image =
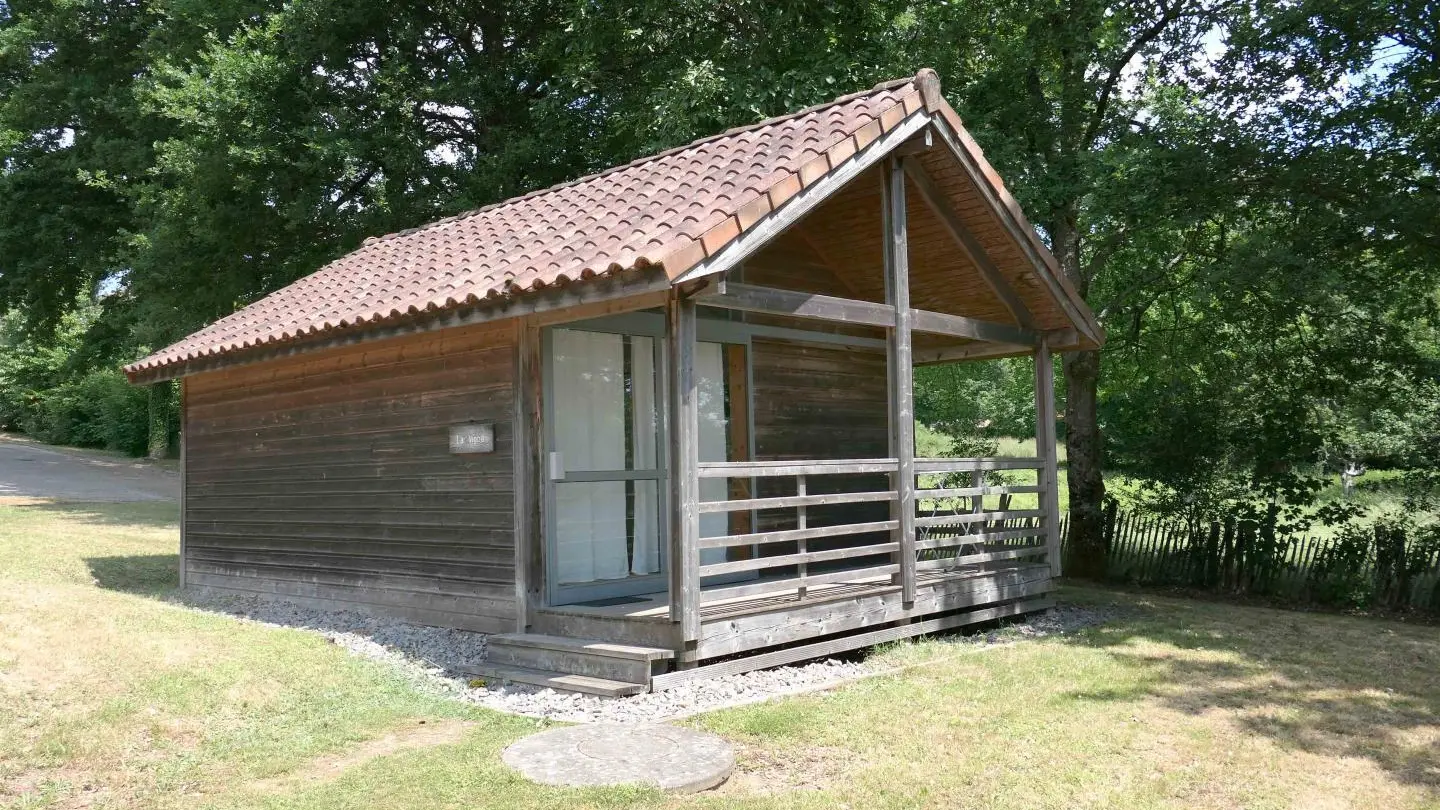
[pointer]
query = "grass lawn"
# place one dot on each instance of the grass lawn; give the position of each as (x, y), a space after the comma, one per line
(111, 696)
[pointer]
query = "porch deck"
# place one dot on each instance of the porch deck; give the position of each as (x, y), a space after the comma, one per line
(656, 606)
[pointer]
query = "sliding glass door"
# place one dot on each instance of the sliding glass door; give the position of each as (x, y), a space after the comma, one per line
(606, 488)
(605, 477)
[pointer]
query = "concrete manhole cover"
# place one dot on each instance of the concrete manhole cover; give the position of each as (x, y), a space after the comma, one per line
(675, 759)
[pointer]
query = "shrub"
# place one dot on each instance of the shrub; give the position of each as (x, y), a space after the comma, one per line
(99, 409)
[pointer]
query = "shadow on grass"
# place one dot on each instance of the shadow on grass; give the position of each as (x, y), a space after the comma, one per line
(137, 514)
(146, 574)
(1325, 685)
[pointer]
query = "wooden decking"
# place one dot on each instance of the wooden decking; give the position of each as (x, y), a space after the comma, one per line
(784, 615)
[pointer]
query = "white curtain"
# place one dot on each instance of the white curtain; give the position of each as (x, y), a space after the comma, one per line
(589, 424)
(644, 433)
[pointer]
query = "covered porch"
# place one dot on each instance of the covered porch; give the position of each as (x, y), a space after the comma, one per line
(791, 545)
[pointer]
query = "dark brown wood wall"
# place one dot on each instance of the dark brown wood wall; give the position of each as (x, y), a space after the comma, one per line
(327, 479)
(819, 402)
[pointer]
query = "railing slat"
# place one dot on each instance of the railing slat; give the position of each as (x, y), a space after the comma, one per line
(796, 500)
(757, 563)
(969, 492)
(727, 541)
(983, 537)
(966, 518)
(988, 556)
(767, 469)
(933, 465)
(771, 586)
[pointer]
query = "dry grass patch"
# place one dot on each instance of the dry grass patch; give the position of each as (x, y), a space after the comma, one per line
(112, 696)
(759, 771)
(328, 768)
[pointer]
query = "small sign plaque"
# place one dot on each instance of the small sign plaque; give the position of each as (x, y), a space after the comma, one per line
(472, 438)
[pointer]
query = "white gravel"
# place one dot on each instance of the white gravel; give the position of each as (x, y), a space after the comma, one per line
(429, 656)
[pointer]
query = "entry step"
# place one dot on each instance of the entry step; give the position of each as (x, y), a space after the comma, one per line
(594, 658)
(584, 646)
(561, 681)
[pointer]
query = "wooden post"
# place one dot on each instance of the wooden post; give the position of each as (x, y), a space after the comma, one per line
(524, 466)
(684, 470)
(1045, 441)
(183, 413)
(902, 384)
(802, 521)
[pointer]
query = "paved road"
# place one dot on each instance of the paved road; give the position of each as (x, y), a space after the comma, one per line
(34, 470)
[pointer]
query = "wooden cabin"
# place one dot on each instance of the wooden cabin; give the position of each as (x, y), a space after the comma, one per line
(653, 424)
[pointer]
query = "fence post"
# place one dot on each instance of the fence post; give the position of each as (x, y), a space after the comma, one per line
(1107, 533)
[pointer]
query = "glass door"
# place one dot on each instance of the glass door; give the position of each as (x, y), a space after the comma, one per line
(606, 488)
(605, 480)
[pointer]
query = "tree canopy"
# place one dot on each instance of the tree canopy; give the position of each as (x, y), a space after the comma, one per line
(1244, 191)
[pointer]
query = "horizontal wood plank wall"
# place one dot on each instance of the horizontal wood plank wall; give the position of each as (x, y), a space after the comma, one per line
(813, 403)
(327, 479)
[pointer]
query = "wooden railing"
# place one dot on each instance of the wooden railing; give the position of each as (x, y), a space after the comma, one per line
(958, 529)
(802, 557)
(953, 526)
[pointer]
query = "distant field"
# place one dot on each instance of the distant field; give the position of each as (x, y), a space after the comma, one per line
(1376, 491)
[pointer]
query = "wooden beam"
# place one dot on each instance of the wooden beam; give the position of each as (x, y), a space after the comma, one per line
(1055, 339)
(1049, 477)
(791, 535)
(792, 501)
(929, 465)
(971, 351)
(800, 558)
(184, 411)
(810, 197)
(771, 469)
(524, 485)
(772, 301)
(902, 381)
(769, 586)
(809, 336)
(684, 466)
(974, 251)
(939, 323)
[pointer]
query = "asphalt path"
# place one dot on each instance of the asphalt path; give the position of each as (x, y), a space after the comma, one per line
(29, 469)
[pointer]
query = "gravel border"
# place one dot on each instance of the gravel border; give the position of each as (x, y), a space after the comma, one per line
(428, 657)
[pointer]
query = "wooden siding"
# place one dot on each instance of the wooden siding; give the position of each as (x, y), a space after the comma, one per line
(816, 402)
(327, 479)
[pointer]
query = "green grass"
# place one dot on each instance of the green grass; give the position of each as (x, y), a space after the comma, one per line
(112, 696)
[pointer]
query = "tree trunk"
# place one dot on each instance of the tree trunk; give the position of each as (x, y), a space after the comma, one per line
(1086, 557)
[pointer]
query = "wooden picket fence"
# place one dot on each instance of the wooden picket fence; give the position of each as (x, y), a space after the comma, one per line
(1239, 556)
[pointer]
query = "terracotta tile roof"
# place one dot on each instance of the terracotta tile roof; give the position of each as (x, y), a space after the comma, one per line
(669, 210)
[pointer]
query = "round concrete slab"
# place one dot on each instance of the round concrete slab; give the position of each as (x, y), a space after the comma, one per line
(675, 759)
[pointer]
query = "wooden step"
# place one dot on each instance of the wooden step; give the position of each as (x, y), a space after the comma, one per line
(588, 646)
(566, 623)
(578, 656)
(560, 681)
